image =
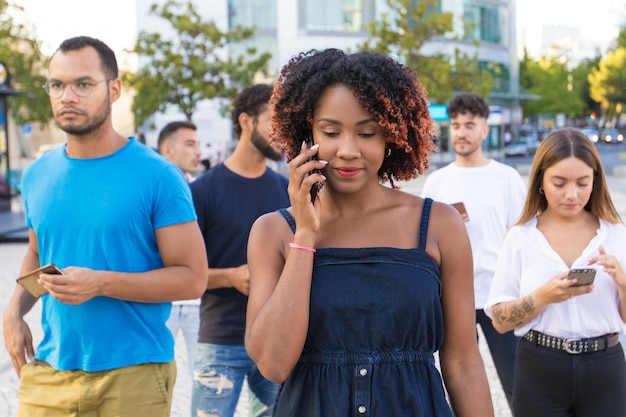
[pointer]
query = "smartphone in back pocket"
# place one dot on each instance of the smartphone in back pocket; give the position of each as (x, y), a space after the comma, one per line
(30, 280)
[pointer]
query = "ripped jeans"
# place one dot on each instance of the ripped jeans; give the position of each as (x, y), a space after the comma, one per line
(218, 377)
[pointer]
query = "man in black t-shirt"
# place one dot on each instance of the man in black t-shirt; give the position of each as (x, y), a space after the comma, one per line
(229, 198)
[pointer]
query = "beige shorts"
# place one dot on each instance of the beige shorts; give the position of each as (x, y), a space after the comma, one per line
(133, 391)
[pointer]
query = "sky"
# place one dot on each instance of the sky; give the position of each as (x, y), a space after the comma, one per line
(598, 20)
(114, 21)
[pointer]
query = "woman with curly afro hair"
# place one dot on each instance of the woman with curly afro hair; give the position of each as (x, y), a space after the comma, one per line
(356, 285)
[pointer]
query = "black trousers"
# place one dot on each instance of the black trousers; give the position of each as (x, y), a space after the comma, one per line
(551, 383)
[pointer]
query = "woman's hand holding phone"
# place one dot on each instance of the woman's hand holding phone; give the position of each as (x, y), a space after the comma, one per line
(304, 183)
(558, 289)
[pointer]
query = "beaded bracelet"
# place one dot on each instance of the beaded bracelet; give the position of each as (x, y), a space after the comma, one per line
(296, 246)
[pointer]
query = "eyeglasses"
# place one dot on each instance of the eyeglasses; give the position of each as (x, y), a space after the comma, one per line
(55, 89)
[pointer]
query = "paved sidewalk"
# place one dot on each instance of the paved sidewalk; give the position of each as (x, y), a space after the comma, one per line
(10, 259)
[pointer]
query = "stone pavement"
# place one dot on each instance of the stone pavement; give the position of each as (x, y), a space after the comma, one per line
(10, 259)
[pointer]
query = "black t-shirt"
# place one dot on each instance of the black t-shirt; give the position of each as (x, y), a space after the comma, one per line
(227, 205)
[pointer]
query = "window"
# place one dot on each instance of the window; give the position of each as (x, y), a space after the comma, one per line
(338, 15)
(501, 76)
(258, 13)
(488, 20)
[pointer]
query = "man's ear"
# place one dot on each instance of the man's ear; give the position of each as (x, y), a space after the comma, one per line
(166, 149)
(115, 88)
(245, 121)
(486, 131)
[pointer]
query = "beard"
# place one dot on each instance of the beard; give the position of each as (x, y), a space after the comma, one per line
(93, 122)
(466, 150)
(264, 146)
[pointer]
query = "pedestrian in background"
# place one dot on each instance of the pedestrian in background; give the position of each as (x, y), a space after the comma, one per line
(127, 245)
(490, 196)
(569, 361)
(178, 142)
(353, 291)
(229, 198)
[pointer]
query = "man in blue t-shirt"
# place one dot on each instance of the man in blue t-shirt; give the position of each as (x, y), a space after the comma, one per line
(119, 222)
(228, 199)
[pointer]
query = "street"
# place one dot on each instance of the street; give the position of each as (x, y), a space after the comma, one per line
(609, 153)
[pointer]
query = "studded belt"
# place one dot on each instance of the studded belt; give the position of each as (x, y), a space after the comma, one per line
(573, 346)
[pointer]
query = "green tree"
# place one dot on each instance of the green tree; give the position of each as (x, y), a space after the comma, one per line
(608, 83)
(555, 83)
(621, 39)
(21, 54)
(190, 67)
(403, 33)
(581, 79)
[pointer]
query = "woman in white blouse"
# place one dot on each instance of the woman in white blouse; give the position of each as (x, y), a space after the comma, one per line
(569, 361)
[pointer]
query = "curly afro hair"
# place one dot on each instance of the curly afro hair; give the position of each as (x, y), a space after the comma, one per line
(385, 88)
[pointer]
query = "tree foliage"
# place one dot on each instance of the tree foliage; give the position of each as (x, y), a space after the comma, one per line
(191, 66)
(559, 87)
(608, 83)
(21, 54)
(403, 34)
(621, 39)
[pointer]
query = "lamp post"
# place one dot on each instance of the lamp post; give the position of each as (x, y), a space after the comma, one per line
(5, 164)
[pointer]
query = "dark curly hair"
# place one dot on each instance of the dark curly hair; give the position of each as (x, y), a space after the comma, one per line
(252, 100)
(385, 88)
(468, 102)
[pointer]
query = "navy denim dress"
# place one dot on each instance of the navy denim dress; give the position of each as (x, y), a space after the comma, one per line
(375, 321)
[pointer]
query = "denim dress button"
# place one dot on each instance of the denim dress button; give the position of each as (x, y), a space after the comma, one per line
(362, 371)
(362, 409)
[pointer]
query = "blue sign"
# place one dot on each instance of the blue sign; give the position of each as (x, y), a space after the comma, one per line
(438, 112)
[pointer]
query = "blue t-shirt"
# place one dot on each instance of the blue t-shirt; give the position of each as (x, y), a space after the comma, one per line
(227, 205)
(102, 213)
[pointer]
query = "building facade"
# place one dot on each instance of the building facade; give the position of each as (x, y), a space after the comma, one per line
(285, 28)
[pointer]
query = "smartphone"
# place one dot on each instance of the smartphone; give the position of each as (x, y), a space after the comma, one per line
(460, 207)
(30, 280)
(585, 276)
(316, 187)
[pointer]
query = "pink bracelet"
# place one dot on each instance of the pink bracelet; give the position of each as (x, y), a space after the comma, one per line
(296, 246)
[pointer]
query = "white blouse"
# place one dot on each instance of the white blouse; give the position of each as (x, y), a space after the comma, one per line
(527, 261)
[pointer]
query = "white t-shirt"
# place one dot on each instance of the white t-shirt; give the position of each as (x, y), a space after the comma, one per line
(493, 195)
(527, 261)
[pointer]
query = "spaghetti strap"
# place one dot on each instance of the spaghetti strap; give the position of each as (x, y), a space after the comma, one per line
(288, 218)
(424, 223)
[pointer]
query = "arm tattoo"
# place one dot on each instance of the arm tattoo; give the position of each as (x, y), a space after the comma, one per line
(515, 312)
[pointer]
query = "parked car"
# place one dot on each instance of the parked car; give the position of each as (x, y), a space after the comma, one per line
(591, 132)
(522, 146)
(611, 136)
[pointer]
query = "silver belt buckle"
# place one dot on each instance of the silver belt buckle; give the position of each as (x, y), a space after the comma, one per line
(574, 347)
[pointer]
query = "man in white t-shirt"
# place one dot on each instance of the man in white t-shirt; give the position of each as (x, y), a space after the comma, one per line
(179, 143)
(492, 194)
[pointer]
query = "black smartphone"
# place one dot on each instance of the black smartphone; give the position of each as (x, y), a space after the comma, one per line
(316, 187)
(30, 280)
(585, 276)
